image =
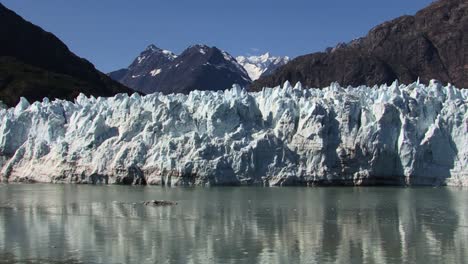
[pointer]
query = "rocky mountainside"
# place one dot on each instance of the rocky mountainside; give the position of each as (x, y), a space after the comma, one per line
(199, 67)
(399, 135)
(261, 66)
(431, 44)
(145, 64)
(36, 64)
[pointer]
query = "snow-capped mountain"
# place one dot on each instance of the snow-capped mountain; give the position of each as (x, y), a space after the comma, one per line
(152, 57)
(199, 67)
(408, 135)
(263, 65)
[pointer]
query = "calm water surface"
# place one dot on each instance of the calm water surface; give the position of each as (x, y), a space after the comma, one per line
(101, 224)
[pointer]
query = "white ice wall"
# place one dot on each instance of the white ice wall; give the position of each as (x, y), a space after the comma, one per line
(399, 134)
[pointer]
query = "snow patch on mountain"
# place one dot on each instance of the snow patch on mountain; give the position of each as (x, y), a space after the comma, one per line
(141, 59)
(155, 72)
(257, 66)
(398, 134)
(170, 54)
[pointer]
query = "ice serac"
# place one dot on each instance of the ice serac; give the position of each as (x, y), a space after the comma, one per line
(404, 135)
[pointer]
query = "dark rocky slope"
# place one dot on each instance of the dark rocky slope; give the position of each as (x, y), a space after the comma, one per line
(433, 44)
(36, 64)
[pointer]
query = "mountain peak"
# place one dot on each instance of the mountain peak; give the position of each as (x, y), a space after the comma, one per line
(265, 56)
(152, 47)
(199, 67)
(262, 65)
(153, 53)
(199, 48)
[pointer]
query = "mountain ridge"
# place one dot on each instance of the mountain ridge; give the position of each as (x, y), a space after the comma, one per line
(432, 44)
(35, 64)
(198, 67)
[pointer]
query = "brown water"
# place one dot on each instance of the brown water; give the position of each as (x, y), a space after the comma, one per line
(101, 224)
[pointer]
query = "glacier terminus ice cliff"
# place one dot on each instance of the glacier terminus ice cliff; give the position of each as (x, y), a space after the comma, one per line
(389, 135)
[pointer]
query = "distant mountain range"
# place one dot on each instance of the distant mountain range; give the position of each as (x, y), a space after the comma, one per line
(36, 64)
(433, 44)
(261, 66)
(199, 67)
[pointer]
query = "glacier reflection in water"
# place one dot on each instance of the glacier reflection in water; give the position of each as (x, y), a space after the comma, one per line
(107, 224)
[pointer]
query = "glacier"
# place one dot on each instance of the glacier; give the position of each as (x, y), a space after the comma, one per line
(263, 65)
(388, 135)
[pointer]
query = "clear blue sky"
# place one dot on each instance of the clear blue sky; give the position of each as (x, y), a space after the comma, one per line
(111, 33)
